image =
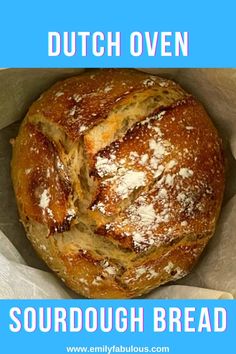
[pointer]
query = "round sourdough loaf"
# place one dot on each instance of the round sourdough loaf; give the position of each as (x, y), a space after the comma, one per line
(119, 178)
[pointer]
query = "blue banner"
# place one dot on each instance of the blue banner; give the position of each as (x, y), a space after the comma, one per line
(117, 34)
(112, 326)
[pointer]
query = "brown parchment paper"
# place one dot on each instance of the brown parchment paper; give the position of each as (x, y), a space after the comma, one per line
(24, 275)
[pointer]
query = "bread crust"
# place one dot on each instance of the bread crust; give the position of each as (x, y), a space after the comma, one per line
(119, 179)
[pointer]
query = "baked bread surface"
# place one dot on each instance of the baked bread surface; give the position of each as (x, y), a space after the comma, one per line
(119, 179)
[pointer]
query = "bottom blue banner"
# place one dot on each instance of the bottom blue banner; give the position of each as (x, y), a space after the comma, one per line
(117, 326)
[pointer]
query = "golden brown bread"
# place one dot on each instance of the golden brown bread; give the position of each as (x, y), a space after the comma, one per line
(119, 179)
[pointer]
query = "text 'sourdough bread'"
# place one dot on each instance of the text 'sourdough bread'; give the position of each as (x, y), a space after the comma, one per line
(119, 178)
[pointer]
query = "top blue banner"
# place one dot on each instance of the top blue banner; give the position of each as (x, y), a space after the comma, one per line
(118, 34)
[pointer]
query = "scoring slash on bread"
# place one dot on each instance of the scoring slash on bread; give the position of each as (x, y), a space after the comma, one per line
(119, 179)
